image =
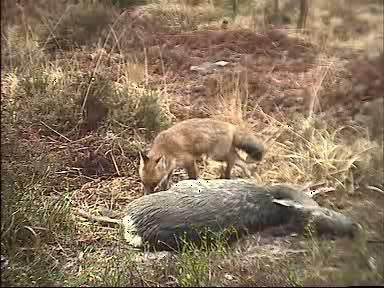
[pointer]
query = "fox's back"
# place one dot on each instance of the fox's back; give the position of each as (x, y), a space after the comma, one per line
(194, 136)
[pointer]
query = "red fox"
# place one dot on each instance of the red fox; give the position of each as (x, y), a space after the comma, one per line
(187, 141)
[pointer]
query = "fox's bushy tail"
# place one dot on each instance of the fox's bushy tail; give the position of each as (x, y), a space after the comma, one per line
(247, 142)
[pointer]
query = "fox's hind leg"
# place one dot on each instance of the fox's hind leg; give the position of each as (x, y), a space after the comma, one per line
(233, 158)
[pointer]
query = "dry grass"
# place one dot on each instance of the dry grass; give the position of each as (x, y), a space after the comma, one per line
(79, 100)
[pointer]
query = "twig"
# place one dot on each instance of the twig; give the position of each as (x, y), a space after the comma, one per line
(375, 241)
(81, 139)
(54, 141)
(61, 135)
(121, 150)
(100, 219)
(10, 225)
(163, 70)
(121, 124)
(96, 67)
(114, 162)
(88, 88)
(375, 189)
(37, 239)
(145, 63)
(51, 31)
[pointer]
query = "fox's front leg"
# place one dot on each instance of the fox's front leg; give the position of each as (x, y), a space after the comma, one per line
(192, 170)
(165, 183)
(230, 161)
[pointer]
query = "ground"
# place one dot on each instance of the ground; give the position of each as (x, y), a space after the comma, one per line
(82, 96)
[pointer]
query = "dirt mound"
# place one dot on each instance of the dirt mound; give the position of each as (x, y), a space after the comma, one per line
(277, 73)
(239, 41)
(262, 67)
(181, 50)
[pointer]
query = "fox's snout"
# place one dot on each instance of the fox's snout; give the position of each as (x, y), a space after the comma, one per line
(147, 190)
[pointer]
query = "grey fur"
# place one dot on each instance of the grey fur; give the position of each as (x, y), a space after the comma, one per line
(194, 205)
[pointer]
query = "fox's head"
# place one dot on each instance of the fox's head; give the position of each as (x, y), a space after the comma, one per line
(152, 171)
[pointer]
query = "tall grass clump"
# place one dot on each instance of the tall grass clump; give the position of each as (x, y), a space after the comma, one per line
(312, 150)
(85, 23)
(32, 217)
(20, 49)
(180, 16)
(65, 100)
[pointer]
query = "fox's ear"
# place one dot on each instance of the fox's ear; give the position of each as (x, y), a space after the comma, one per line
(162, 163)
(143, 157)
(143, 160)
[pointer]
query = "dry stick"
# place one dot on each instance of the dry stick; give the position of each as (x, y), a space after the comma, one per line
(163, 68)
(288, 128)
(58, 133)
(114, 162)
(145, 59)
(145, 64)
(100, 219)
(113, 31)
(373, 188)
(121, 150)
(117, 39)
(301, 24)
(81, 139)
(314, 91)
(89, 87)
(164, 83)
(118, 46)
(24, 24)
(10, 225)
(51, 31)
(312, 99)
(37, 238)
(245, 105)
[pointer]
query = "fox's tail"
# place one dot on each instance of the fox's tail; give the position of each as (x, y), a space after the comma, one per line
(248, 143)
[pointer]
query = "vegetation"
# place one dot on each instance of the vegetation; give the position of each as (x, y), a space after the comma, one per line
(88, 84)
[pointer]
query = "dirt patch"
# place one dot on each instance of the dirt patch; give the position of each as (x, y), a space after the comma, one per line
(275, 73)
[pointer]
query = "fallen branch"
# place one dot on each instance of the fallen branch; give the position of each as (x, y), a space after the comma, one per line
(373, 188)
(100, 219)
(58, 133)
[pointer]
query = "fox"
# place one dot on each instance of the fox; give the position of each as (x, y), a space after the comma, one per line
(188, 141)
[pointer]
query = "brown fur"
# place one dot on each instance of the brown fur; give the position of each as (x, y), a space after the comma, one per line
(187, 141)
